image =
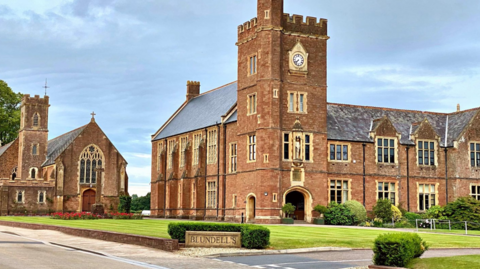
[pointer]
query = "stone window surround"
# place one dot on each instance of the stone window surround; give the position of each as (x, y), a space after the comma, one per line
(23, 196)
(197, 142)
(397, 198)
(252, 108)
(159, 155)
(395, 138)
(435, 152)
(39, 120)
(194, 192)
(275, 197)
(296, 102)
(180, 193)
(212, 146)
(171, 148)
(476, 195)
(234, 201)
(252, 62)
(183, 149)
(35, 149)
(44, 197)
(291, 148)
(30, 173)
(101, 158)
(418, 194)
(211, 194)
(233, 164)
(470, 152)
(342, 144)
(252, 148)
(349, 180)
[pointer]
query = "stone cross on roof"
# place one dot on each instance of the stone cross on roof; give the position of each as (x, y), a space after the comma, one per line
(93, 116)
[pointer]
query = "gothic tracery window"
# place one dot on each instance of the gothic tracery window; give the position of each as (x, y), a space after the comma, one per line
(90, 159)
(35, 120)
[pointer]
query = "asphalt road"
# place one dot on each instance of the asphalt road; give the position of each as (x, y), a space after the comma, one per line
(20, 253)
(328, 260)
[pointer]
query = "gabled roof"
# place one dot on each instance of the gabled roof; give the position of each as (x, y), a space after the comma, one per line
(202, 111)
(5, 147)
(57, 145)
(354, 123)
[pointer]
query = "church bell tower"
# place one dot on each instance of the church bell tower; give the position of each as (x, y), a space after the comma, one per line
(33, 136)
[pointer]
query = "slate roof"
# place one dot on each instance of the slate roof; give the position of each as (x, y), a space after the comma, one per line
(57, 145)
(353, 123)
(345, 122)
(203, 111)
(5, 147)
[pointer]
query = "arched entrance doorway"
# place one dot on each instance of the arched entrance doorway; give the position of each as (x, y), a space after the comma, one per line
(88, 199)
(250, 208)
(298, 200)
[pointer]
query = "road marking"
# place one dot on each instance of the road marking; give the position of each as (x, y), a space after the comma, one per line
(106, 256)
(258, 266)
(287, 263)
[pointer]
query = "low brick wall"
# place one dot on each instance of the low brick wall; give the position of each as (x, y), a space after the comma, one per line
(146, 241)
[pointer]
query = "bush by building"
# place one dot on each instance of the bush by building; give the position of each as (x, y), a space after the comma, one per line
(396, 214)
(383, 210)
(398, 249)
(358, 210)
(339, 214)
(253, 237)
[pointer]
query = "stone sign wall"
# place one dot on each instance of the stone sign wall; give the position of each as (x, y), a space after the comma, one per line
(213, 239)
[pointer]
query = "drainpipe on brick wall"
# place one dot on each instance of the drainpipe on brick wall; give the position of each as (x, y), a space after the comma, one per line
(446, 175)
(408, 180)
(364, 145)
(165, 182)
(218, 166)
(205, 163)
(224, 171)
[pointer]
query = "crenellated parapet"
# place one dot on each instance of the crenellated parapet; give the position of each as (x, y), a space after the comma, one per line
(310, 26)
(247, 29)
(36, 100)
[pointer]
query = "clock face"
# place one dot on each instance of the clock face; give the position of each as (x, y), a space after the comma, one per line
(298, 60)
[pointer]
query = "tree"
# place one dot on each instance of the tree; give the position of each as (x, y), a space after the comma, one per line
(140, 203)
(288, 209)
(9, 113)
(383, 210)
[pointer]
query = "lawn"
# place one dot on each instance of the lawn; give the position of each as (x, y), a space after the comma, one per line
(282, 237)
(458, 262)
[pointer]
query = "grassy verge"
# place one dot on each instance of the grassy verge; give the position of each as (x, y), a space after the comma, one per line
(282, 237)
(458, 262)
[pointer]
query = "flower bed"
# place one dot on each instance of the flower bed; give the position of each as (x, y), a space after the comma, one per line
(124, 216)
(74, 216)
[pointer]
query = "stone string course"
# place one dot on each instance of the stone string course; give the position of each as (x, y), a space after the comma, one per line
(146, 241)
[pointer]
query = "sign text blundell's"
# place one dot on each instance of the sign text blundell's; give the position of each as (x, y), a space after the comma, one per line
(213, 239)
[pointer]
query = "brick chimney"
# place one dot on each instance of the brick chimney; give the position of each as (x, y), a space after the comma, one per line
(193, 89)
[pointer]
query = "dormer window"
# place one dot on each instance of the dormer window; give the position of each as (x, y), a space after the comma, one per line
(386, 150)
(426, 152)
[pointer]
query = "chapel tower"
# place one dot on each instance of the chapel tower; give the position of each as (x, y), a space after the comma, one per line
(33, 136)
(282, 82)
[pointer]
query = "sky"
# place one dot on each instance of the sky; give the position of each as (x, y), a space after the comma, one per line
(129, 61)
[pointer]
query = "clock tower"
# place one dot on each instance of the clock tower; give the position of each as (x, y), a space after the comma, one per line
(282, 103)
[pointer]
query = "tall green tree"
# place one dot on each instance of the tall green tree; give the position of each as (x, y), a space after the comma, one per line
(140, 203)
(9, 113)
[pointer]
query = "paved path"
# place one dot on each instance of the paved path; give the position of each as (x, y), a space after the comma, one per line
(24, 248)
(330, 260)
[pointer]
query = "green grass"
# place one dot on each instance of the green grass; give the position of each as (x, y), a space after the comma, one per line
(282, 237)
(470, 232)
(458, 262)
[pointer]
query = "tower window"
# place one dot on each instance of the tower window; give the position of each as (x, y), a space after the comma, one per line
(35, 120)
(253, 65)
(33, 173)
(41, 197)
(297, 102)
(35, 149)
(252, 104)
(252, 148)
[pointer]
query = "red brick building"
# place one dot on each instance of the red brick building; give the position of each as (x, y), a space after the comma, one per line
(271, 138)
(40, 175)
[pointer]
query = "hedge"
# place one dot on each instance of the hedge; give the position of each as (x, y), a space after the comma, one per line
(253, 237)
(397, 249)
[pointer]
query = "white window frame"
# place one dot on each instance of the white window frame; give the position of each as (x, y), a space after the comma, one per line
(233, 157)
(212, 147)
(211, 194)
(252, 148)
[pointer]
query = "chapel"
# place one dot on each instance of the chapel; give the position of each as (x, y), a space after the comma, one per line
(69, 173)
(243, 150)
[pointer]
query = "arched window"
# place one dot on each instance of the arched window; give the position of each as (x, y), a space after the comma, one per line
(90, 159)
(33, 173)
(41, 197)
(14, 173)
(34, 150)
(20, 196)
(35, 120)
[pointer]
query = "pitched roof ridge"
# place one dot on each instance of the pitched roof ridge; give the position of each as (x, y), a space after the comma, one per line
(464, 111)
(62, 135)
(221, 87)
(7, 145)
(389, 109)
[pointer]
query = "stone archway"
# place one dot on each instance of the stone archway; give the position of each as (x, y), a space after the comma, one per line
(251, 205)
(302, 199)
(88, 199)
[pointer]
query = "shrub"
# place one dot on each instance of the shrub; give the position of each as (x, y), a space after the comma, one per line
(404, 223)
(397, 249)
(412, 216)
(288, 209)
(377, 222)
(125, 203)
(402, 209)
(383, 210)
(124, 216)
(320, 209)
(464, 209)
(397, 215)
(252, 236)
(436, 212)
(357, 209)
(339, 214)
